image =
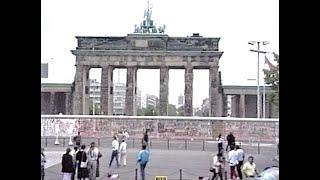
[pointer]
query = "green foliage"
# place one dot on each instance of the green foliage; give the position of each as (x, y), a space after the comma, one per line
(149, 111)
(180, 111)
(272, 78)
(272, 75)
(152, 111)
(172, 110)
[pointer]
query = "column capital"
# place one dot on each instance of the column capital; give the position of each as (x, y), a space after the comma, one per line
(188, 66)
(214, 67)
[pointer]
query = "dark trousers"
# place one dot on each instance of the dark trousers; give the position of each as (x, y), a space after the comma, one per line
(74, 172)
(114, 155)
(227, 146)
(233, 171)
(142, 167)
(230, 143)
(239, 169)
(42, 172)
(220, 147)
(217, 173)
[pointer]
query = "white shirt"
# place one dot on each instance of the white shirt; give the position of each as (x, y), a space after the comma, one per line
(115, 145)
(240, 154)
(233, 158)
(126, 134)
(220, 140)
(123, 147)
(216, 163)
(93, 155)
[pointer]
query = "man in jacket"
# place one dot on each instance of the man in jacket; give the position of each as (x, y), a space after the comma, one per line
(143, 158)
(67, 165)
(231, 140)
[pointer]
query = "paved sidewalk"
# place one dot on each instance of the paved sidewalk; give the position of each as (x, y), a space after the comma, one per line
(162, 162)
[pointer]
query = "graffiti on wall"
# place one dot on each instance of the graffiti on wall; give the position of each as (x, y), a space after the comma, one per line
(59, 127)
(160, 128)
(253, 131)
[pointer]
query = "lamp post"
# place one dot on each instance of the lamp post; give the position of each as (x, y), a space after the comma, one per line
(258, 71)
(264, 100)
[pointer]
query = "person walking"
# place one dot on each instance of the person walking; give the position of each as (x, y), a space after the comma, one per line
(145, 139)
(231, 140)
(77, 140)
(217, 166)
(43, 162)
(220, 142)
(241, 156)
(249, 168)
(233, 161)
(114, 153)
(123, 152)
(143, 158)
(125, 134)
(82, 161)
(67, 165)
(92, 155)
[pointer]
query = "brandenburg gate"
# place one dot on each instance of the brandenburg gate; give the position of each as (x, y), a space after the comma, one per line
(146, 48)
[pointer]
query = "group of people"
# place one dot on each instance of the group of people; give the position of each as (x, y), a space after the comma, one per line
(119, 151)
(85, 162)
(235, 157)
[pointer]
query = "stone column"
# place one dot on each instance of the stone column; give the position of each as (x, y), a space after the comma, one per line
(86, 92)
(242, 106)
(225, 105)
(188, 91)
(79, 103)
(78, 91)
(164, 90)
(67, 102)
(52, 103)
(214, 95)
(131, 91)
(234, 106)
(106, 91)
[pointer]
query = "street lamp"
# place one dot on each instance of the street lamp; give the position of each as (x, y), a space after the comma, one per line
(258, 71)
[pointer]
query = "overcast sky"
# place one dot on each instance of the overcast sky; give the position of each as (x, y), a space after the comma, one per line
(235, 22)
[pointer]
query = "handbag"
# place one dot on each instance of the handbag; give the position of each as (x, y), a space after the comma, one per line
(83, 164)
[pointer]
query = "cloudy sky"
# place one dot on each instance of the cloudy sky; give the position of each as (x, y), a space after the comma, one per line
(235, 22)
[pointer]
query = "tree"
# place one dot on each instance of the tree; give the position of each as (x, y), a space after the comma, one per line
(180, 111)
(172, 110)
(96, 108)
(205, 107)
(272, 78)
(149, 111)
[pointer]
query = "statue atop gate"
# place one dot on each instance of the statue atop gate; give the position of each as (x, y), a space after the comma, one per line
(148, 25)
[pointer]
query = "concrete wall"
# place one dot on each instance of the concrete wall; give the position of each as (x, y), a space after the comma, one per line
(244, 129)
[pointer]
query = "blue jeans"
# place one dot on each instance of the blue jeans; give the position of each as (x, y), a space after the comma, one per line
(114, 155)
(142, 167)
